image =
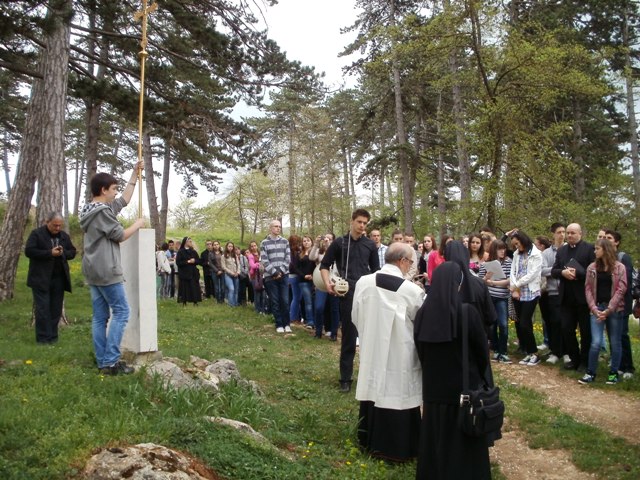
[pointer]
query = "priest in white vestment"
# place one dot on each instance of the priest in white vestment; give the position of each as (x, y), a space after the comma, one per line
(390, 376)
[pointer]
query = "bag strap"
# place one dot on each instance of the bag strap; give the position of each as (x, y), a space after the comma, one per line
(465, 355)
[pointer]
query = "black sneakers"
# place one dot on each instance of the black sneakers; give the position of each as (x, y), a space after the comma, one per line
(120, 368)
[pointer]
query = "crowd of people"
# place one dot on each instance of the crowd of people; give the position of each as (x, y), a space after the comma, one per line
(557, 275)
(405, 303)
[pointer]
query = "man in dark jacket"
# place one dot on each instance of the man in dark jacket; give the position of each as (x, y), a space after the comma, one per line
(48, 249)
(572, 260)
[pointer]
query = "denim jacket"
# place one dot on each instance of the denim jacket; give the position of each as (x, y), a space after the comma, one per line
(618, 289)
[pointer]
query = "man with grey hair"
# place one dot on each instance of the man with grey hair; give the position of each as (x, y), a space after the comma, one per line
(570, 267)
(390, 377)
(48, 249)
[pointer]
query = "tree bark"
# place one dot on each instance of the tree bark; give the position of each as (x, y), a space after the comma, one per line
(408, 178)
(150, 183)
(579, 182)
(51, 162)
(441, 188)
(5, 161)
(291, 186)
(161, 231)
(633, 126)
(41, 137)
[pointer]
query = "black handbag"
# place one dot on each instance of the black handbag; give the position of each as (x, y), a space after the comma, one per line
(481, 411)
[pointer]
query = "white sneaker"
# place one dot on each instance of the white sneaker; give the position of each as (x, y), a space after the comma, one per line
(496, 357)
(328, 334)
(280, 330)
(543, 346)
(534, 360)
(287, 329)
(627, 375)
(566, 359)
(553, 359)
(525, 360)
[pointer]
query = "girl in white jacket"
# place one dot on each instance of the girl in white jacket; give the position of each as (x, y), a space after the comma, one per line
(524, 284)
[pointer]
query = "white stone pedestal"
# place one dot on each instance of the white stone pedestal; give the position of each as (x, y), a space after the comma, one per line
(139, 265)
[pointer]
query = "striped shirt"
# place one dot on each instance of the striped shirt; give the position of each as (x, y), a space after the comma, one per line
(275, 256)
(498, 292)
(382, 249)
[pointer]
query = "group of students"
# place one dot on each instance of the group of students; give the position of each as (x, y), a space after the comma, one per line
(574, 283)
(236, 276)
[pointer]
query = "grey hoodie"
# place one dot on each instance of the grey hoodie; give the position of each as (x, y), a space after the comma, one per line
(101, 263)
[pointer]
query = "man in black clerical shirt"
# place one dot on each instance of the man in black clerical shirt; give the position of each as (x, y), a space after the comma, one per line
(355, 255)
(48, 248)
(572, 260)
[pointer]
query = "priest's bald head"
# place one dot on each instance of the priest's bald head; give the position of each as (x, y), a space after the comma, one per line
(401, 255)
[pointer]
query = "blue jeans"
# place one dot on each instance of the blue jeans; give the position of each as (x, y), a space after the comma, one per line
(259, 301)
(232, 285)
(296, 295)
(278, 291)
(614, 326)
(307, 295)
(107, 344)
(321, 300)
(218, 286)
(500, 330)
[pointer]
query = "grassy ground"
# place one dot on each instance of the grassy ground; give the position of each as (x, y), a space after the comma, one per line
(55, 409)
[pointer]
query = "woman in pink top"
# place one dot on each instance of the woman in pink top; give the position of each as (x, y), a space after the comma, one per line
(255, 275)
(436, 257)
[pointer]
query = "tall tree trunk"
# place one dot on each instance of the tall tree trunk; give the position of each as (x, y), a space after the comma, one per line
(576, 146)
(345, 176)
(161, 231)
(291, 184)
(41, 137)
(79, 182)
(240, 213)
(633, 126)
(150, 183)
(352, 181)
(51, 164)
(5, 161)
(407, 178)
(382, 179)
(441, 188)
(330, 193)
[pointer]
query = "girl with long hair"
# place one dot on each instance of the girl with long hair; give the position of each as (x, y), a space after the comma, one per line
(322, 298)
(436, 257)
(525, 277)
(605, 286)
(255, 274)
(295, 245)
(499, 291)
(476, 252)
(231, 269)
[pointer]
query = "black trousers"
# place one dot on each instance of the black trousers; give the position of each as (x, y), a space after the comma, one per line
(208, 284)
(550, 309)
(48, 310)
(349, 336)
(524, 311)
(576, 315)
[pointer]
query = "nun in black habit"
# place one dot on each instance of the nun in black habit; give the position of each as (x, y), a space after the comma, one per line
(445, 452)
(187, 260)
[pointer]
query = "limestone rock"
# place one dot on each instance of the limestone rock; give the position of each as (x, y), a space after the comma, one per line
(145, 461)
(199, 363)
(172, 375)
(224, 369)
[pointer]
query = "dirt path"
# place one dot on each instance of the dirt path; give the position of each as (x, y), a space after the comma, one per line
(518, 461)
(586, 404)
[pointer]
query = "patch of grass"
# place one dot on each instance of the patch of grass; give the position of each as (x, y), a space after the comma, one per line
(592, 450)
